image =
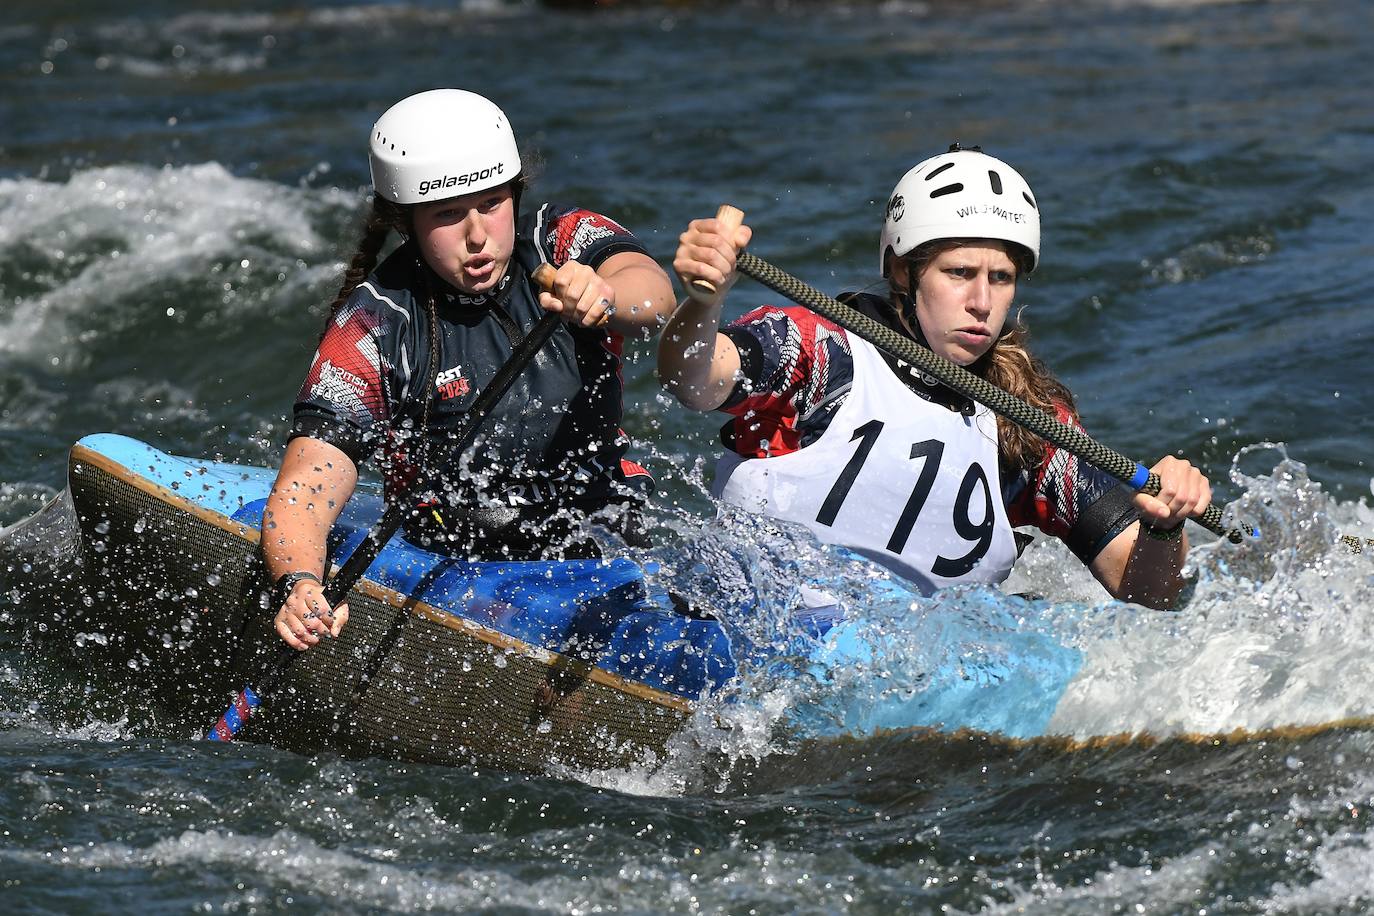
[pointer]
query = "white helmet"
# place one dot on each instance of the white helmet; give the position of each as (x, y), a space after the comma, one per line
(439, 144)
(961, 194)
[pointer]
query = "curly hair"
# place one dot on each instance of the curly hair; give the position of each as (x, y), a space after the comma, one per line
(1012, 367)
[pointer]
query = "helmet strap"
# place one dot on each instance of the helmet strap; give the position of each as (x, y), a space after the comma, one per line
(517, 190)
(906, 308)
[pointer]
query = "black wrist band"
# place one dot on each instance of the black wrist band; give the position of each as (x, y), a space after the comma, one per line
(1162, 534)
(281, 589)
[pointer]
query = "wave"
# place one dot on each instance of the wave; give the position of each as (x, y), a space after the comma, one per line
(92, 255)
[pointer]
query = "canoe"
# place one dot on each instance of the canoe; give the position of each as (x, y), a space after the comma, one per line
(513, 665)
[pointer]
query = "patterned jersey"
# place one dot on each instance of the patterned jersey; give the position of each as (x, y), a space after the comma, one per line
(797, 368)
(554, 437)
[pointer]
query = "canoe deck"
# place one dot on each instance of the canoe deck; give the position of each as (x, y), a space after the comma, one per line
(411, 677)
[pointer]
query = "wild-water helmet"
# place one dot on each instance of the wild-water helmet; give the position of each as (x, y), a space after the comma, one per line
(961, 194)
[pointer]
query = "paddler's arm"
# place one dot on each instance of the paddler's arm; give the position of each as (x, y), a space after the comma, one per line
(643, 294)
(1146, 569)
(628, 286)
(697, 363)
(315, 481)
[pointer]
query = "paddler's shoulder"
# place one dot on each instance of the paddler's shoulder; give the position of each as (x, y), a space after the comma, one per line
(388, 291)
(807, 323)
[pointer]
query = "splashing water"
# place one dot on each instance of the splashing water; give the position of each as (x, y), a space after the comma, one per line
(1269, 635)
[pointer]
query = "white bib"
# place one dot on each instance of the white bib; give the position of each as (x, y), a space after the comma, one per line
(906, 482)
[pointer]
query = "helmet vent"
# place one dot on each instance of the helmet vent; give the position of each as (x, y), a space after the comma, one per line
(946, 166)
(996, 181)
(389, 145)
(1030, 200)
(947, 189)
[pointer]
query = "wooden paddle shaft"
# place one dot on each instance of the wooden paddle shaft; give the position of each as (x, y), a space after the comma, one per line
(732, 218)
(543, 277)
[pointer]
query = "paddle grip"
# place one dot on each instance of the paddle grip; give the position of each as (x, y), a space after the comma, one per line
(543, 277)
(1210, 517)
(1047, 427)
(731, 218)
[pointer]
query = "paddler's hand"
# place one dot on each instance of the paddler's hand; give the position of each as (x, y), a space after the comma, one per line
(1183, 493)
(580, 295)
(306, 616)
(707, 251)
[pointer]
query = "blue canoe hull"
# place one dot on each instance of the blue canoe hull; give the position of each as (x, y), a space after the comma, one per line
(512, 664)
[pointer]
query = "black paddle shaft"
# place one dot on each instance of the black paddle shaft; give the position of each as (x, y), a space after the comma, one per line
(1069, 438)
(342, 582)
(338, 586)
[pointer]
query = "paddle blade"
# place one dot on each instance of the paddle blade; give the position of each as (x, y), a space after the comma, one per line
(236, 716)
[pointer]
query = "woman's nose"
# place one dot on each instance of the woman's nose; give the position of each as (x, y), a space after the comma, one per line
(476, 230)
(980, 297)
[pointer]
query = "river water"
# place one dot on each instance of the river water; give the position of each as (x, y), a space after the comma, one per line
(180, 182)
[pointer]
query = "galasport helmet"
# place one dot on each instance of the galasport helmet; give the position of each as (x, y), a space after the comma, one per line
(961, 194)
(440, 144)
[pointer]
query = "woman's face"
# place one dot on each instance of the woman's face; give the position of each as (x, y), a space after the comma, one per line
(962, 297)
(468, 240)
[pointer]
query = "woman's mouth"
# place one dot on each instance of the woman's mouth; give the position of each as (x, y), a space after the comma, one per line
(479, 268)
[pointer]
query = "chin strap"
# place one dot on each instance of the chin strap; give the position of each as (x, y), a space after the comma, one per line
(906, 308)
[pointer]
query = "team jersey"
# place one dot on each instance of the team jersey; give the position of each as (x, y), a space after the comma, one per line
(797, 370)
(895, 477)
(553, 440)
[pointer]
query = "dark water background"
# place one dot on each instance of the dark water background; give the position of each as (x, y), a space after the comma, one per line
(179, 183)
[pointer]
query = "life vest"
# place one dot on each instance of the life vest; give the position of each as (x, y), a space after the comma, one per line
(895, 477)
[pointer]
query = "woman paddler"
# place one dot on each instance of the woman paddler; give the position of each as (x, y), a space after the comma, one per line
(829, 432)
(410, 343)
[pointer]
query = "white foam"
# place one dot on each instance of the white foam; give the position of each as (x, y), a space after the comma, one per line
(1170, 887)
(362, 878)
(127, 229)
(1343, 865)
(1275, 634)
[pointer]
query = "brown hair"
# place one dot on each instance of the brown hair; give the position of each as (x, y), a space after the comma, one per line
(382, 217)
(1009, 365)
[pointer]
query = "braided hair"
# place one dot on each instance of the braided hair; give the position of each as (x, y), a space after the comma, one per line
(383, 217)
